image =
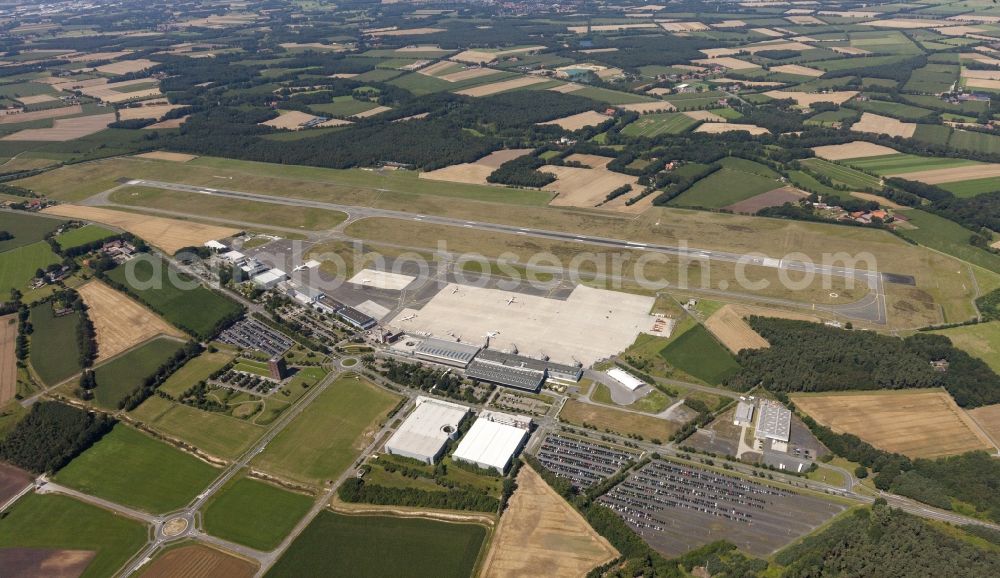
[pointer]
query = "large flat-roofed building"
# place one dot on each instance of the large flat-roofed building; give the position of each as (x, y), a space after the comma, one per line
(744, 414)
(491, 444)
(516, 377)
(446, 352)
(356, 318)
(774, 422)
(625, 378)
(424, 433)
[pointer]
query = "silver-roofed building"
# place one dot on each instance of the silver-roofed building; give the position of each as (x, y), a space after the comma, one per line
(446, 352)
(424, 433)
(744, 414)
(774, 421)
(509, 376)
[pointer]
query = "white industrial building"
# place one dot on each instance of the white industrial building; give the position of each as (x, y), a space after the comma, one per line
(269, 279)
(492, 442)
(424, 433)
(625, 378)
(744, 414)
(774, 422)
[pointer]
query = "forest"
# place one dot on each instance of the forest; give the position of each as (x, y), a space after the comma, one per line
(808, 357)
(51, 435)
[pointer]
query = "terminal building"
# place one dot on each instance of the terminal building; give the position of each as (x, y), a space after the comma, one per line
(517, 371)
(424, 433)
(492, 441)
(446, 352)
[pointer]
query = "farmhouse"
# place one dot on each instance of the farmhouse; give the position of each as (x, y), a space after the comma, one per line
(424, 433)
(490, 443)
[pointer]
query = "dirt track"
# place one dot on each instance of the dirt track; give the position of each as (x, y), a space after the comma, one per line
(8, 362)
(540, 534)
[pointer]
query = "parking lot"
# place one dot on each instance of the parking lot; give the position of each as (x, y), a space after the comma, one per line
(583, 463)
(251, 334)
(677, 508)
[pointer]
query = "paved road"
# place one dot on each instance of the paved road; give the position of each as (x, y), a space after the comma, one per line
(871, 309)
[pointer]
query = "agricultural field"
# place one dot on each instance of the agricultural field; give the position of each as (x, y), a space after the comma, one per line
(329, 434)
(981, 340)
(198, 369)
(653, 125)
(254, 513)
(729, 185)
(196, 310)
(341, 545)
(697, 353)
(540, 533)
(120, 323)
(54, 350)
(131, 468)
(198, 561)
(988, 418)
(58, 527)
(25, 229)
(83, 236)
(215, 433)
(918, 424)
(841, 174)
(897, 164)
(731, 330)
(18, 265)
(118, 378)
(948, 237)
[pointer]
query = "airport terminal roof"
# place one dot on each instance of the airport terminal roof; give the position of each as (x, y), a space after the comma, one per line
(530, 379)
(450, 351)
(514, 360)
(490, 444)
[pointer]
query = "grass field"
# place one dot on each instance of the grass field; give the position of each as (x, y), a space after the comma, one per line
(905, 163)
(975, 141)
(325, 439)
(972, 187)
(121, 376)
(933, 78)
(371, 546)
(948, 237)
(254, 513)
(725, 187)
(893, 109)
(833, 116)
(133, 469)
(214, 433)
(306, 218)
(697, 353)
(653, 402)
(623, 422)
(343, 106)
(59, 522)
(918, 424)
(54, 353)
(18, 266)
(198, 309)
(198, 369)
(932, 133)
(25, 228)
(981, 340)
(83, 236)
(652, 125)
(841, 174)
(611, 96)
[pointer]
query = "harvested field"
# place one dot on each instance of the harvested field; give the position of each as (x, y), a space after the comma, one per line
(475, 173)
(705, 115)
(95, 56)
(905, 23)
(727, 62)
(683, 26)
(647, 107)
(850, 50)
(768, 32)
(170, 123)
(12, 481)
(8, 361)
(880, 200)
(720, 127)
(729, 328)
(918, 424)
(477, 56)
(170, 235)
(365, 114)
(798, 69)
(566, 88)
(540, 534)
(34, 99)
(982, 83)
(852, 150)
(876, 124)
(504, 85)
(988, 418)
(155, 112)
(804, 20)
(199, 561)
(608, 27)
(578, 121)
(578, 187)
(436, 68)
(110, 92)
(119, 322)
(462, 74)
(290, 120)
(167, 156)
(65, 129)
(44, 562)
(406, 32)
(126, 66)
(808, 99)
(774, 198)
(953, 174)
(41, 114)
(971, 73)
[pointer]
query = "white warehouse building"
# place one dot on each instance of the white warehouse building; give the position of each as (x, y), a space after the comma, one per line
(424, 433)
(491, 444)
